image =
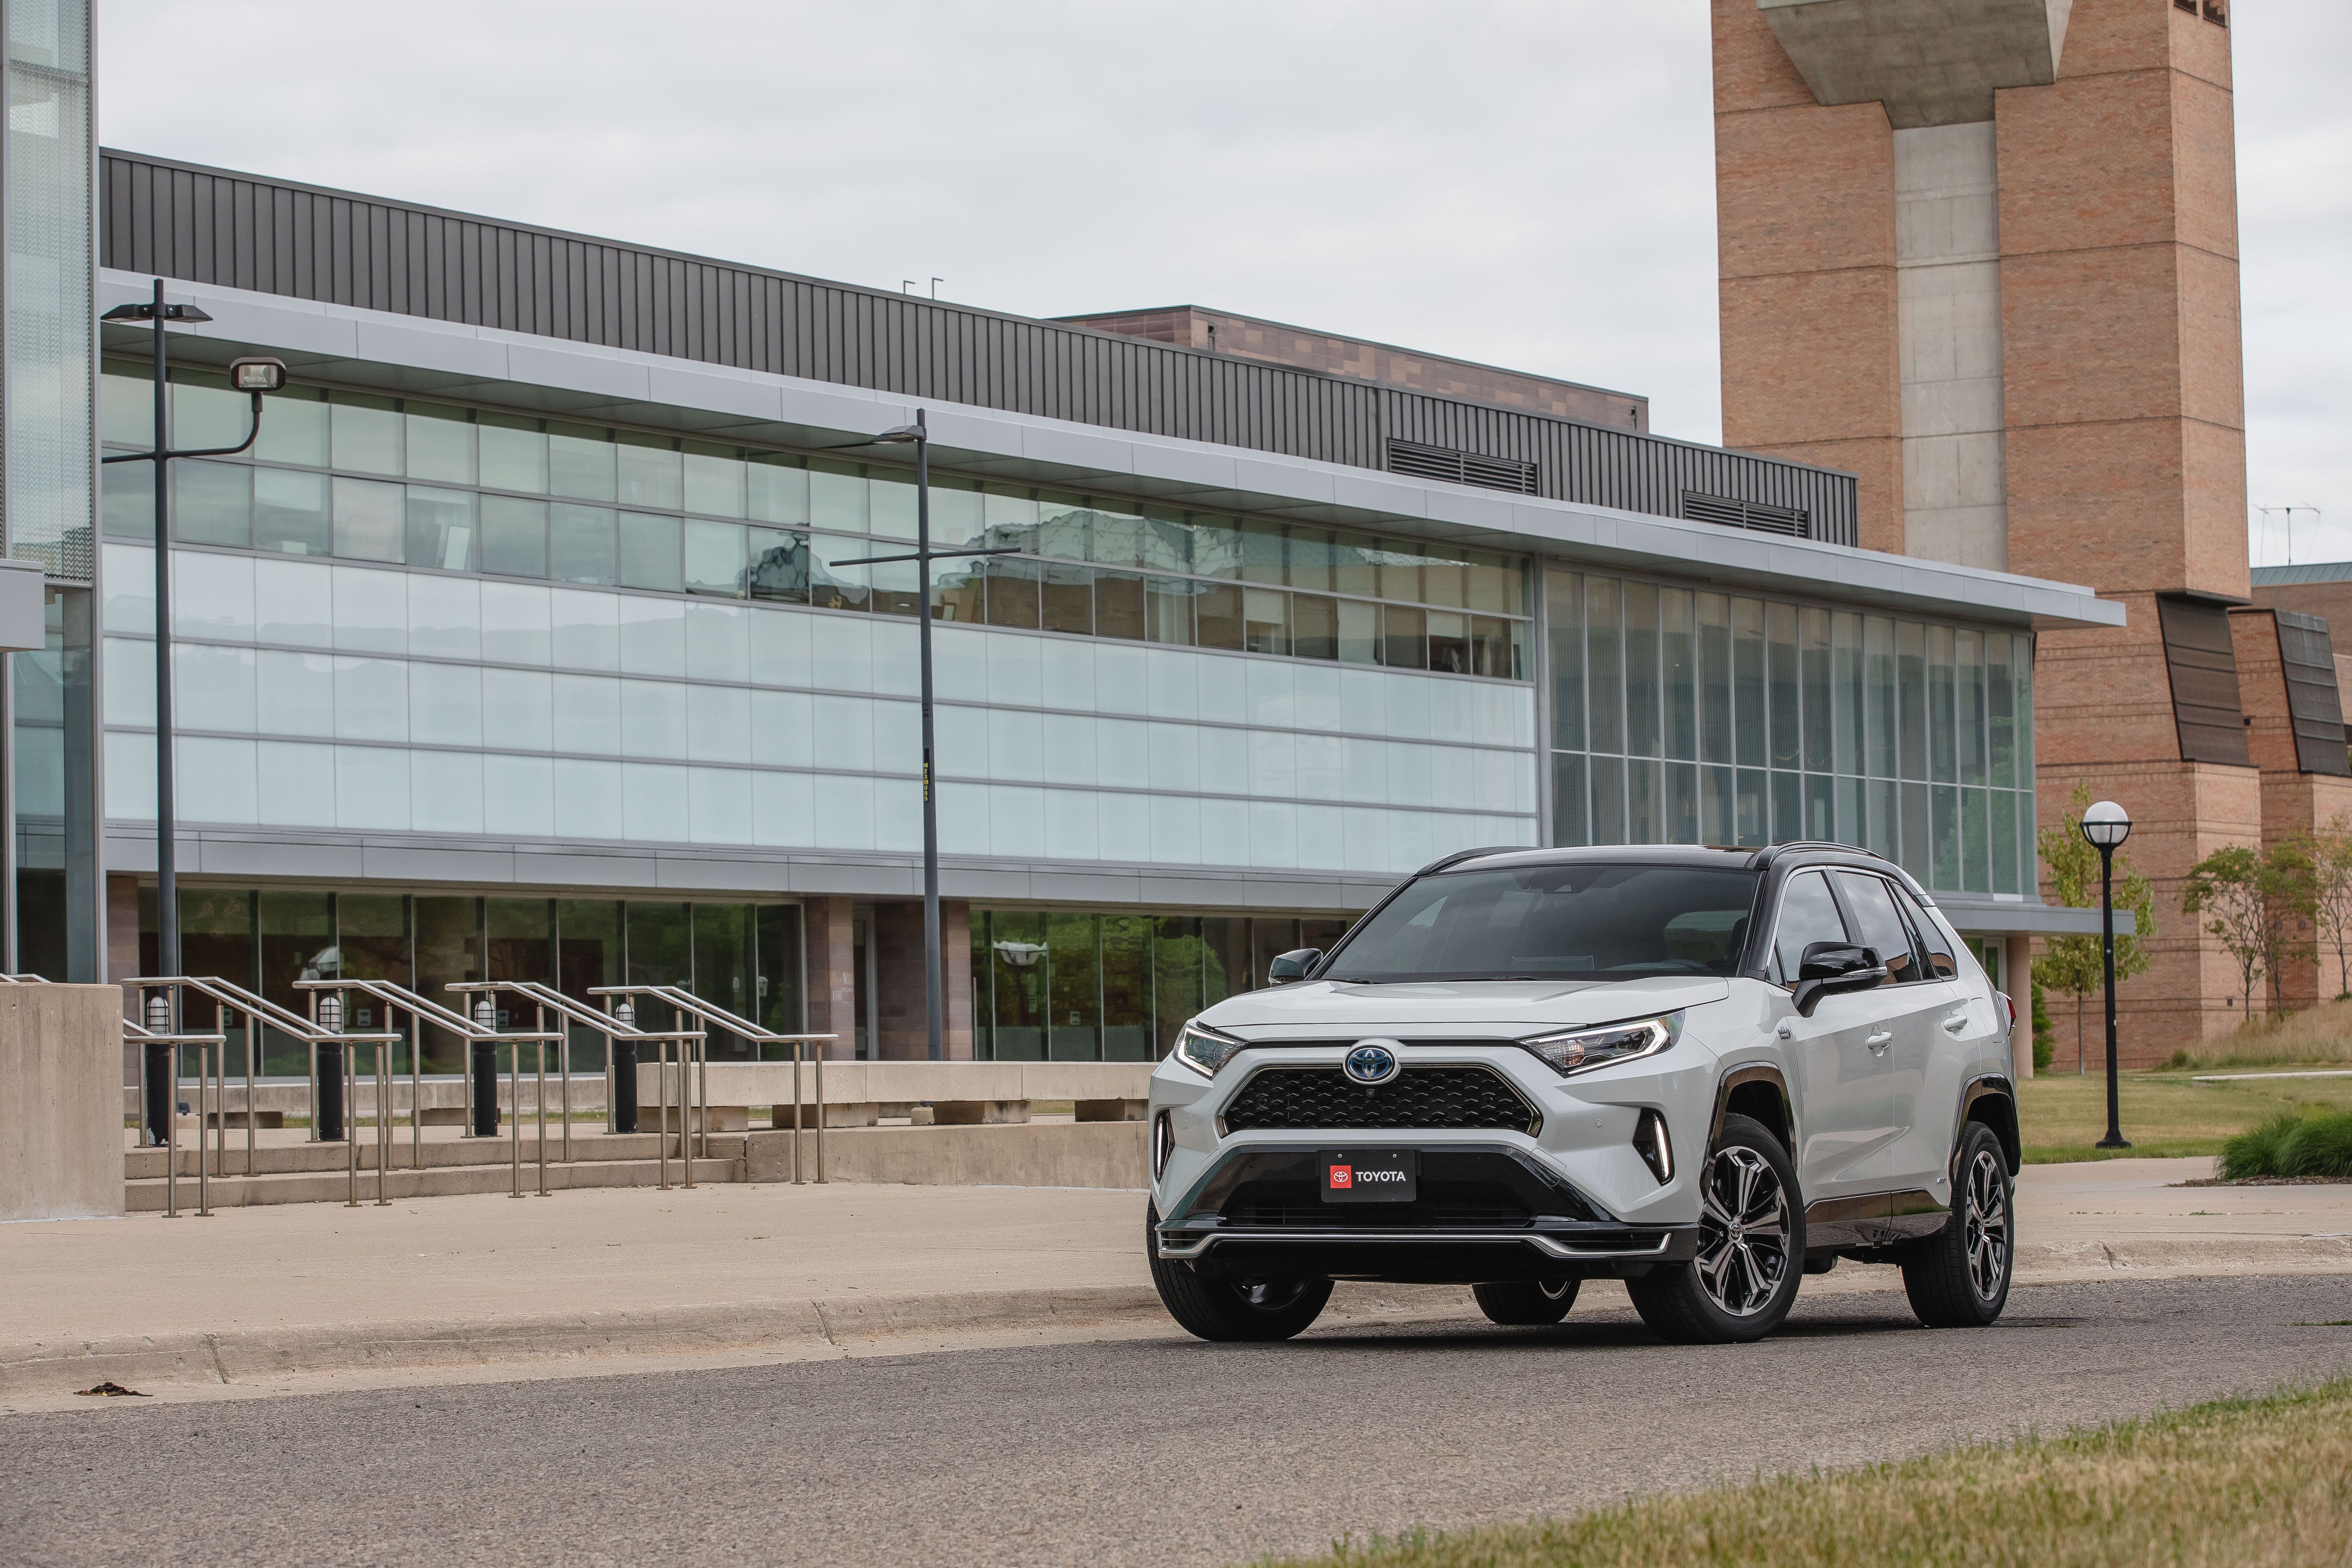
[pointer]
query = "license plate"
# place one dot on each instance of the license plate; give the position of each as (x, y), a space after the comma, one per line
(1376, 1176)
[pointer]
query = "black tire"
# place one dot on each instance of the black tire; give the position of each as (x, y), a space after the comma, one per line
(1232, 1311)
(1751, 1254)
(1526, 1303)
(1959, 1277)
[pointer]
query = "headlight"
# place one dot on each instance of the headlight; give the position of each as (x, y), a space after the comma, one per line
(1205, 1050)
(1584, 1050)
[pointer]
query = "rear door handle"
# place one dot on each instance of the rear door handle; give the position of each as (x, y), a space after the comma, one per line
(1956, 1022)
(1879, 1041)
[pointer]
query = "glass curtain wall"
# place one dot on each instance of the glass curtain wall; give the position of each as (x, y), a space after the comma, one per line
(448, 489)
(747, 958)
(47, 487)
(1073, 985)
(1682, 716)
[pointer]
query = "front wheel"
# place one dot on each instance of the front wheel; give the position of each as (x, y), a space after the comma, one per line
(1228, 1310)
(1959, 1277)
(1751, 1247)
(1526, 1303)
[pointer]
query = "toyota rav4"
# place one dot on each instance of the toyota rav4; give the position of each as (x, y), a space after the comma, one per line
(1705, 1072)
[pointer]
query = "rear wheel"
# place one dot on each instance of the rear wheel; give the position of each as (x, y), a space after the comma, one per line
(1751, 1247)
(1526, 1303)
(1959, 1277)
(1232, 1310)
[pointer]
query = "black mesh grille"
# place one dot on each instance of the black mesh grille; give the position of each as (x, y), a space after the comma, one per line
(1300, 1098)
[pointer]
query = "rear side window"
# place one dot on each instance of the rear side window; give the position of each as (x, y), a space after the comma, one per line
(1928, 936)
(1880, 925)
(1808, 915)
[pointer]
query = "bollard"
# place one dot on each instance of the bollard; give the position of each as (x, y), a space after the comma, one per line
(329, 1109)
(485, 1081)
(625, 1084)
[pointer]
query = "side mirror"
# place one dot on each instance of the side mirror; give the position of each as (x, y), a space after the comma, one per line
(1286, 967)
(1830, 967)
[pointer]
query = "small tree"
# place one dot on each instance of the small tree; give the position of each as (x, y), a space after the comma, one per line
(2045, 1049)
(2330, 854)
(2253, 900)
(2076, 965)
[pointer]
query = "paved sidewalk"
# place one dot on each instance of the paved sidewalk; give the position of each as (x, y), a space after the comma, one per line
(596, 1280)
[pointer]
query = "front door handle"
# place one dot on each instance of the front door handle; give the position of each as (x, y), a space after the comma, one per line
(1881, 1040)
(1956, 1022)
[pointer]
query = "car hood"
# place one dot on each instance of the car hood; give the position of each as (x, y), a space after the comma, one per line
(1514, 1006)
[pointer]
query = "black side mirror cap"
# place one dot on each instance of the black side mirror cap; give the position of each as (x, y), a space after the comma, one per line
(1828, 968)
(1286, 967)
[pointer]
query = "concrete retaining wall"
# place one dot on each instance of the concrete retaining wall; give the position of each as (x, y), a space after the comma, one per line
(1016, 1154)
(60, 1101)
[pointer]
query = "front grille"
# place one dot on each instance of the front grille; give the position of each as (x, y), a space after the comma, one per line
(1283, 1098)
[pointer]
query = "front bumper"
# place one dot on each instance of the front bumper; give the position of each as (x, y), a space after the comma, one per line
(1486, 1212)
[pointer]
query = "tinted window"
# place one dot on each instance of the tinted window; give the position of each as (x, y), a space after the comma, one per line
(1927, 937)
(1587, 922)
(1808, 915)
(1879, 924)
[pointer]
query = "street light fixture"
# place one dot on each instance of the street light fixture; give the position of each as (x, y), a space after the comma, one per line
(2107, 826)
(918, 436)
(257, 377)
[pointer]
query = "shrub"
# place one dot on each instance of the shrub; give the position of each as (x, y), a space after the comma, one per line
(2291, 1145)
(2322, 1146)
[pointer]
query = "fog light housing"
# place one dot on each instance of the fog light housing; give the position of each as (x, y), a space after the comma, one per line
(1657, 1150)
(1163, 1144)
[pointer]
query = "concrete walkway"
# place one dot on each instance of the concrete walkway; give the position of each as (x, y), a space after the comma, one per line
(254, 1299)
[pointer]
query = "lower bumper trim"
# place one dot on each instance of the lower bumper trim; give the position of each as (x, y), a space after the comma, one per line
(1434, 1254)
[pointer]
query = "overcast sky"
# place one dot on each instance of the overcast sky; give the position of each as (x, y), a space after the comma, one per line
(1527, 184)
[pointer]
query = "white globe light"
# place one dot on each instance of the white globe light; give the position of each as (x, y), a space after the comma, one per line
(2106, 824)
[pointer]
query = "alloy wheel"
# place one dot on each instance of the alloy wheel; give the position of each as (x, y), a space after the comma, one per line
(1986, 1235)
(1743, 1224)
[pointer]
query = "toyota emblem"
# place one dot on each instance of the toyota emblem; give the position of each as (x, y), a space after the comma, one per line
(1372, 1062)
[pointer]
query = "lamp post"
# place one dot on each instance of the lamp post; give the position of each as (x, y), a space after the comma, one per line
(2107, 826)
(257, 377)
(919, 434)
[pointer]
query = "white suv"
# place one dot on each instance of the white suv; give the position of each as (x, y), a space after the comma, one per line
(1706, 1072)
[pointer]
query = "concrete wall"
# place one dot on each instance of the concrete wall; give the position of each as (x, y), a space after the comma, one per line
(60, 1101)
(1947, 282)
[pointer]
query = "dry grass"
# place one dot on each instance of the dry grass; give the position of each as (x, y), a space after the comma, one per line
(2253, 1482)
(2321, 1033)
(2061, 1115)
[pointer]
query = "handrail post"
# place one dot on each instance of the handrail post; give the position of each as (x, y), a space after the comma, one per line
(542, 1112)
(204, 1190)
(661, 1095)
(820, 1110)
(800, 1048)
(172, 1135)
(416, 1087)
(252, 1112)
(702, 1093)
(350, 1116)
(514, 1100)
(612, 1078)
(563, 1065)
(685, 1093)
(313, 1044)
(383, 1115)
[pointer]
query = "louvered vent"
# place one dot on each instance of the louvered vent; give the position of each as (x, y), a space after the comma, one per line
(1732, 513)
(1460, 468)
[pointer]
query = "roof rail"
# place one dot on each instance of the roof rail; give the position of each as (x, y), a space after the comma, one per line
(1770, 852)
(1459, 856)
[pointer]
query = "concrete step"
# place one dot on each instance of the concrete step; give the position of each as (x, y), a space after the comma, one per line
(147, 1196)
(290, 1158)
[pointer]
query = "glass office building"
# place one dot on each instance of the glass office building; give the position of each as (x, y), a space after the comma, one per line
(530, 651)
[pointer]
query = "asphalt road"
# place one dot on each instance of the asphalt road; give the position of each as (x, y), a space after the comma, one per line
(1151, 1451)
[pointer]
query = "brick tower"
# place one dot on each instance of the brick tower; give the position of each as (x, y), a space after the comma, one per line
(1984, 253)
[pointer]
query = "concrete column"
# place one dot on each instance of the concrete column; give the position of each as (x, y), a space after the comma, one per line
(60, 1102)
(2017, 983)
(832, 973)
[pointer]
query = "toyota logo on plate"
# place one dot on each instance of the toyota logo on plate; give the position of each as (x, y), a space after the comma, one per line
(1372, 1062)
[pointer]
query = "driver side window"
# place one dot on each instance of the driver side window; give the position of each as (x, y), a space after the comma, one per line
(1808, 915)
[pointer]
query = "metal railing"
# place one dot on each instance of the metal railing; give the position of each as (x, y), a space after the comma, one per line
(161, 1001)
(134, 1030)
(547, 999)
(710, 1014)
(423, 1010)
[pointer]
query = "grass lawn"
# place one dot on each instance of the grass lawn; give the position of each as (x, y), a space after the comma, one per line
(2256, 1481)
(2061, 1115)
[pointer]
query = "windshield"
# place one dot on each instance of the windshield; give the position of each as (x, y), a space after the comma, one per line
(1587, 921)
